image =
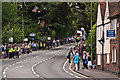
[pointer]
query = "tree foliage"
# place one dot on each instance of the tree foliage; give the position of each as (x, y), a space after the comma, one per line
(88, 42)
(61, 19)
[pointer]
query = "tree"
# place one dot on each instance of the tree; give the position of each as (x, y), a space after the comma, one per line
(81, 14)
(88, 42)
(61, 19)
(9, 13)
(10, 24)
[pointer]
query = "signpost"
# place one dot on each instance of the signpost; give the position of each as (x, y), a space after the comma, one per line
(26, 39)
(111, 33)
(32, 35)
(49, 38)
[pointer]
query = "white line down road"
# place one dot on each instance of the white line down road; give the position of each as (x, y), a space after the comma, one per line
(42, 64)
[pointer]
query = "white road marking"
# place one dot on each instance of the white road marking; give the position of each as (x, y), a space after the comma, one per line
(4, 71)
(67, 71)
(38, 64)
(71, 74)
(77, 77)
(21, 66)
(4, 76)
(34, 71)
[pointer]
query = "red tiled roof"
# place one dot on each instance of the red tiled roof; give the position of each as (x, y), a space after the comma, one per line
(114, 8)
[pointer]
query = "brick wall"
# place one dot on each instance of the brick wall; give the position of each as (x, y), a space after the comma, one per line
(113, 67)
(115, 43)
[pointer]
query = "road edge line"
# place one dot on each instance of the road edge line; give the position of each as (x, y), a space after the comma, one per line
(76, 72)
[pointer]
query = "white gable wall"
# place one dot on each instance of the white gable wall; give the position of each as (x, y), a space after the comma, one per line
(99, 31)
(106, 27)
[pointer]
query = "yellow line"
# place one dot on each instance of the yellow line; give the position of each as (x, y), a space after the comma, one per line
(76, 72)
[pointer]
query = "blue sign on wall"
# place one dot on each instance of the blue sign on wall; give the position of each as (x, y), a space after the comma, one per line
(110, 33)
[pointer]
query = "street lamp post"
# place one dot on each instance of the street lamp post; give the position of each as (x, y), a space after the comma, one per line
(0, 31)
(22, 24)
(91, 33)
(22, 28)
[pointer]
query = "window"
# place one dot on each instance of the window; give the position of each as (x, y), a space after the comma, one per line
(99, 33)
(108, 59)
(107, 27)
(99, 60)
(117, 24)
(114, 25)
(114, 55)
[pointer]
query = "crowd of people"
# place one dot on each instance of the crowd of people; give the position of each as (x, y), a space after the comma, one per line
(15, 49)
(78, 54)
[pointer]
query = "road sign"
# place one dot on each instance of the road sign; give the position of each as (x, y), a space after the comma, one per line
(49, 38)
(32, 38)
(10, 39)
(110, 33)
(33, 34)
(79, 32)
(26, 39)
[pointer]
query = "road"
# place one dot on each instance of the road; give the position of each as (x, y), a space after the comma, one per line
(40, 64)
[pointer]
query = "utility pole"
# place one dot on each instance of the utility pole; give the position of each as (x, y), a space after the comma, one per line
(102, 43)
(0, 30)
(22, 24)
(22, 28)
(91, 33)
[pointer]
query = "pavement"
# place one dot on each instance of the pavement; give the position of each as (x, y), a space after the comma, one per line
(95, 74)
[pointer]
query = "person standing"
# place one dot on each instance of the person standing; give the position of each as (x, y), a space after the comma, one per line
(44, 45)
(13, 52)
(33, 46)
(85, 63)
(28, 48)
(24, 51)
(41, 45)
(76, 44)
(69, 56)
(30, 44)
(76, 61)
(74, 54)
(89, 61)
(7, 49)
(57, 43)
(84, 60)
(51, 43)
(10, 53)
(48, 44)
(54, 43)
(17, 52)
